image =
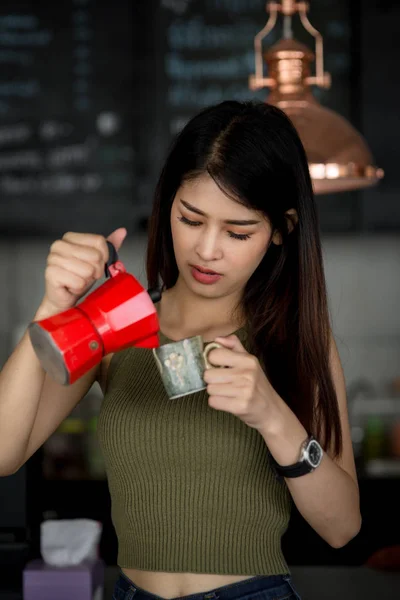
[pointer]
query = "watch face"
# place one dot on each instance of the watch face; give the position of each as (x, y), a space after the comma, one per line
(314, 453)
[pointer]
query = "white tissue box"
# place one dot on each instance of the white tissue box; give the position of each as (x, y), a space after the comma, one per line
(78, 582)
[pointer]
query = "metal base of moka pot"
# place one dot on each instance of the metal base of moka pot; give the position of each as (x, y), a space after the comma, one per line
(50, 356)
(67, 345)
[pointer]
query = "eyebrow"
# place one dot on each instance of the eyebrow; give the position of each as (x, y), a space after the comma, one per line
(228, 221)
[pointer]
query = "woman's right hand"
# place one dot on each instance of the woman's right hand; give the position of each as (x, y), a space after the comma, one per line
(74, 264)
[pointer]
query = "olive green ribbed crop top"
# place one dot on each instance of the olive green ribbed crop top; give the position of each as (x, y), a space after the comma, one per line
(192, 489)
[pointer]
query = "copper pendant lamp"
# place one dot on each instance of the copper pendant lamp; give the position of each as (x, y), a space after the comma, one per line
(338, 156)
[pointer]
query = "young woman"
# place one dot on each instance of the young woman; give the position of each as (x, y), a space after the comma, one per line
(202, 486)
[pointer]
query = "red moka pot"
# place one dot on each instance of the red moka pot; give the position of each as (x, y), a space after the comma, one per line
(117, 315)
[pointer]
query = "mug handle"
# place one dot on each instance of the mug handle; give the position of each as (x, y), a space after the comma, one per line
(158, 361)
(208, 349)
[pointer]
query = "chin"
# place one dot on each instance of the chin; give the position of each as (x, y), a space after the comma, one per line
(200, 289)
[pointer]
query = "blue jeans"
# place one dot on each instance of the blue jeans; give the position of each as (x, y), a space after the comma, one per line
(261, 587)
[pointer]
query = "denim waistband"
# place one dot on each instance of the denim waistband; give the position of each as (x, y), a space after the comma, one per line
(278, 585)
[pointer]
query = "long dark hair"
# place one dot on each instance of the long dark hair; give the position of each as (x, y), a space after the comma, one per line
(253, 152)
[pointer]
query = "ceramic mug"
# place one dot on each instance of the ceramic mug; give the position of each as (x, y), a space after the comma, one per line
(182, 365)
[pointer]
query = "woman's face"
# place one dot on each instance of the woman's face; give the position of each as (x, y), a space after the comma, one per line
(204, 237)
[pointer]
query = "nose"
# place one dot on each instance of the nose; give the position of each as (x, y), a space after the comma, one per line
(208, 246)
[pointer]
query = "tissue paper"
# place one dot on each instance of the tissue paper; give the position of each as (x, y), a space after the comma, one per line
(65, 542)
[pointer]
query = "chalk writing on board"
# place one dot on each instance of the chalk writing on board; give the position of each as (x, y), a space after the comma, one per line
(209, 56)
(67, 156)
(15, 134)
(21, 35)
(179, 7)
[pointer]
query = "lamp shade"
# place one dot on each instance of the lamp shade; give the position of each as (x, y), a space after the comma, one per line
(338, 156)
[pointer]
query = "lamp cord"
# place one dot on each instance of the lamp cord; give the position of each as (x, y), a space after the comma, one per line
(287, 27)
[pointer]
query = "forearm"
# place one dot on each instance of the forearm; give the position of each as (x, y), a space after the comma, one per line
(327, 498)
(21, 383)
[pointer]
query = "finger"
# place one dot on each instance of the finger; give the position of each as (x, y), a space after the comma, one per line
(218, 375)
(221, 389)
(61, 277)
(222, 403)
(86, 270)
(117, 237)
(232, 342)
(88, 254)
(92, 240)
(224, 357)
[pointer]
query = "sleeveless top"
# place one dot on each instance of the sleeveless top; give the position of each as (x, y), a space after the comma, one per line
(192, 488)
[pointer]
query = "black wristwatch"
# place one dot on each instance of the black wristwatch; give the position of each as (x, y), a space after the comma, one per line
(311, 455)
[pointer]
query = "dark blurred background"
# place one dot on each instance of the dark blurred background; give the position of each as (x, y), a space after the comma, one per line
(91, 94)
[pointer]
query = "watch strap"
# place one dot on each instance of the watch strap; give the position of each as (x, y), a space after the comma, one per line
(296, 470)
(302, 467)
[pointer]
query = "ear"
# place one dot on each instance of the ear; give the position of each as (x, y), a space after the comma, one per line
(292, 220)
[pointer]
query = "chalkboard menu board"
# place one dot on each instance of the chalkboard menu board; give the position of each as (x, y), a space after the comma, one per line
(67, 158)
(92, 93)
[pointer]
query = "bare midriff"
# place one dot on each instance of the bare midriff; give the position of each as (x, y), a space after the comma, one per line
(175, 585)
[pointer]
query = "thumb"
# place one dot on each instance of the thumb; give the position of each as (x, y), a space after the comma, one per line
(117, 237)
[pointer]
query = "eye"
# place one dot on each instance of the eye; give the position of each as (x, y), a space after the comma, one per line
(236, 236)
(239, 236)
(191, 223)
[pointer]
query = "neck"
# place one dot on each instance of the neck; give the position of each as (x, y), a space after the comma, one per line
(182, 310)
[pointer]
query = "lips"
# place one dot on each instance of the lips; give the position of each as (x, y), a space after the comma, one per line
(205, 270)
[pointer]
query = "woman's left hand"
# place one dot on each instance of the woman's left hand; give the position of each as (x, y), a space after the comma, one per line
(243, 388)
